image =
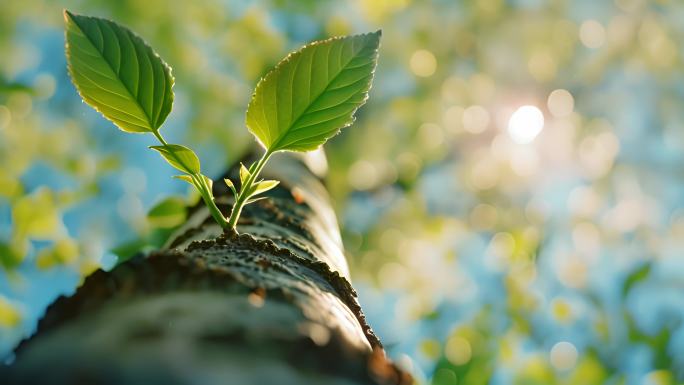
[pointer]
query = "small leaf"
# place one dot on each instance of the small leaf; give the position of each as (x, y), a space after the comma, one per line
(263, 186)
(117, 73)
(244, 174)
(180, 157)
(170, 212)
(186, 178)
(231, 186)
(254, 200)
(313, 93)
(210, 184)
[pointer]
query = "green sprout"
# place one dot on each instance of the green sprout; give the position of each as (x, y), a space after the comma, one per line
(301, 103)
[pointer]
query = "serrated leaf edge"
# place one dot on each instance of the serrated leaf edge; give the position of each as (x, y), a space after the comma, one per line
(287, 59)
(69, 16)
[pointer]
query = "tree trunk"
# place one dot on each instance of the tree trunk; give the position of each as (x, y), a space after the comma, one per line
(271, 306)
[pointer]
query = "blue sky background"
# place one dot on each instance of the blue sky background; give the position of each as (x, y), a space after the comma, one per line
(477, 258)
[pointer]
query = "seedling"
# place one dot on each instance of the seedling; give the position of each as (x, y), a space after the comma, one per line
(301, 103)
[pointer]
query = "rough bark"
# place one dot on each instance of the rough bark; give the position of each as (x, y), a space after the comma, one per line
(271, 306)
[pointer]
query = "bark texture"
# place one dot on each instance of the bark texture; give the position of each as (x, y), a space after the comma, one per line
(273, 305)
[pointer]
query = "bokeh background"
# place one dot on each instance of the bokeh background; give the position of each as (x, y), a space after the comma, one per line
(491, 244)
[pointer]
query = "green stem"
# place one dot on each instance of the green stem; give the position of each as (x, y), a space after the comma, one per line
(207, 196)
(201, 186)
(244, 191)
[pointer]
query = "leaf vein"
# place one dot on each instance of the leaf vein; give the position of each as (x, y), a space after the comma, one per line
(331, 81)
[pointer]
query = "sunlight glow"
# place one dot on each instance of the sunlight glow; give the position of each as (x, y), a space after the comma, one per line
(423, 63)
(563, 355)
(475, 119)
(525, 124)
(592, 34)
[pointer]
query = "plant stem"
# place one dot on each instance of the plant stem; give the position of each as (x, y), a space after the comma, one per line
(201, 185)
(244, 191)
(207, 196)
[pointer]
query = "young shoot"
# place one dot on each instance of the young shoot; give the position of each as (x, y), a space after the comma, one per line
(301, 103)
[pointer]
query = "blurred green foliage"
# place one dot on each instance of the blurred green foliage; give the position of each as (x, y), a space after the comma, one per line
(485, 252)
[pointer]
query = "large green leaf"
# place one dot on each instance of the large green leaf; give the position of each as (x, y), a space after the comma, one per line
(117, 73)
(313, 93)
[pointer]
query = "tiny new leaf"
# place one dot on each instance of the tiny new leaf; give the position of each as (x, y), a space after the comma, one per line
(231, 186)
(250, 201)
(244, 174)
(180, 157)
(186, 178)
(263, 186)
(209, 182)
